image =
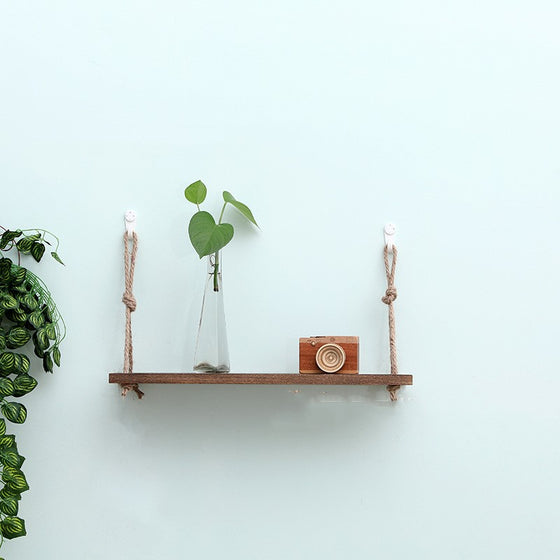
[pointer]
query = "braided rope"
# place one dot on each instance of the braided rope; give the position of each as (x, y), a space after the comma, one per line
(389, 297)
(130, 302)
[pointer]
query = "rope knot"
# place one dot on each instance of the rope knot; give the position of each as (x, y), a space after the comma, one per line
(390, 296)
(130, 301)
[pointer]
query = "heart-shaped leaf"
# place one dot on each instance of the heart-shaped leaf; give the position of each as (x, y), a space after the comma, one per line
(206, 236)
(37, 251)
(244, 209)
(196, 192)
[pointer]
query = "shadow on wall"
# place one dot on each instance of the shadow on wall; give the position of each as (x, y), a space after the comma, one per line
(256, 412)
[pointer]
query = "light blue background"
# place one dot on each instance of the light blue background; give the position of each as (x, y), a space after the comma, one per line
(329, 119)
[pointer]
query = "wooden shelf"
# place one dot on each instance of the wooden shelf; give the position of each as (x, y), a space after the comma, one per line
(262, 378)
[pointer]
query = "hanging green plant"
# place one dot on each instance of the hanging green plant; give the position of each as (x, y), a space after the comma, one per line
(28, 318)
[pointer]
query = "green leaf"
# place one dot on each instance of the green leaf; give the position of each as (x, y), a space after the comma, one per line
(206, 236)
(7, 441)
(14, 479)
(2, 426)
(17, 315)
(6, 387)
(56, 355)
(18, 274)
(43, 339)
(24, 245)
(37, 251)
(8, 236)
(29, 301)
(9, 506)
(23, 384)
(20, 289)
(14, 412)
(196, 192)
(36, 318)
(56, 257)
(21, 364)
(244, 209)
(50, 330)
(2, 338)
(8, 302)
(48, 362)
(9, 457)
(7, 362)
(17, 336)
(5, 269)
(13, 527)
(47, 313)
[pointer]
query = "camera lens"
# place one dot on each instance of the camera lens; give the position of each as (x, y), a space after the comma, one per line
(330, 357)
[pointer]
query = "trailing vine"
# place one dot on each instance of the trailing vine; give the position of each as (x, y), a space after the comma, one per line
(28, 314)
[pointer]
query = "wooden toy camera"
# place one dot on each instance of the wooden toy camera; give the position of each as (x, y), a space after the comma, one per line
(329, 354)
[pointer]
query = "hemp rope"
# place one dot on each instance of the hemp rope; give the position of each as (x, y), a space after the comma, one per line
(389, 297)
(130, 302)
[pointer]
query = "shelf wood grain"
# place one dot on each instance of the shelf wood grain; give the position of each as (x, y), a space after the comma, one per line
(261, 378)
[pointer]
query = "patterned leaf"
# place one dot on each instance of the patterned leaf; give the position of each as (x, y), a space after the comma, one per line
(37, 251)
(21, 363)
(23, 384)
(13, 527)
(18, 483)
(48, 362)
(9, 457)
(50, 331)
(47, 313)
(2, 338)
(24, 245)
(18, 275)
(7, 361)
(17, 315)
(17, 336)
(29, 301)
(56, 355)
(14, 412)
(36, 319)
(2, 426)
(7, 493)
(7, 441)
(8, 236)
(9, 506)
(6, 387)
(20, 289)
(8, 301)
(5, 268)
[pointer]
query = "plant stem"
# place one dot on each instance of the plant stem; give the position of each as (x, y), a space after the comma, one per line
(43, 231)
(215, 273)
(216, 269)
(222, 213)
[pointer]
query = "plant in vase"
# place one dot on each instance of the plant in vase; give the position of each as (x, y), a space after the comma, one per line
(208, 238)
(28, 314)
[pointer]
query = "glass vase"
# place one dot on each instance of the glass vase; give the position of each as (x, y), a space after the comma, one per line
(211, 354)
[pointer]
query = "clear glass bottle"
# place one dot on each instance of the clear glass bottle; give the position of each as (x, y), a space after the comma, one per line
(211, 354)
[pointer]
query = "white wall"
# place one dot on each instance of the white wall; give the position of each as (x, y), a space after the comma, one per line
(328, 119)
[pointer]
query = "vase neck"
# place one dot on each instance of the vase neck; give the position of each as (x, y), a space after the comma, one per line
(214, 263)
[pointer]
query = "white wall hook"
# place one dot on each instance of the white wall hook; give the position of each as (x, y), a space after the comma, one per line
(389, 231)
(130, 222)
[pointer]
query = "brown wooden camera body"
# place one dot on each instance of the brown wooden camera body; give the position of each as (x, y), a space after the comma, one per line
(308, 348)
